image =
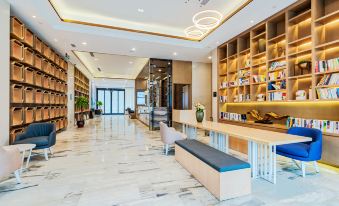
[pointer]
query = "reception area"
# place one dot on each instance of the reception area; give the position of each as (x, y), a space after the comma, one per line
(169, 103)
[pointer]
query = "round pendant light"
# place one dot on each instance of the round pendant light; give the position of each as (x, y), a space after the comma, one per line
(194, 32)
(207, 19)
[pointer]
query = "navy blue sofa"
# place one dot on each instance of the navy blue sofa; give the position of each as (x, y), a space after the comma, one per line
(43, 135)
(305, 151)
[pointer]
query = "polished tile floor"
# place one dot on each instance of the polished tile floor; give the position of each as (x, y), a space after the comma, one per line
(117, 161)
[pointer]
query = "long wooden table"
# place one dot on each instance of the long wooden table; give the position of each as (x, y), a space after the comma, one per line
(261, 143)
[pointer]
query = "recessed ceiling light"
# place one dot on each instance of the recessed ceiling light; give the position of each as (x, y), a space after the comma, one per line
(209, 57)
(252, 21)
(55, 40)
(133, 49)
(175, 54)
(96, 59)
(130, 62)
(159, 70)
(34, 16)
(84, 43)
(141, 10)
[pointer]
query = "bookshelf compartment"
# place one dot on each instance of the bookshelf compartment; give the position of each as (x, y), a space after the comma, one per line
(17, 116)
(37, 44)
(327, 10)
(29, 95)
(46, 82)
(57, 73)
(14, 133)
(17, 71)
(17, 28)
(45, 66)
(300, 89)
(52, 70)
(46, 51)
(38, 114)
(52, 84)
(28, 75)
(52, 112)
(28, 56)
(17, 93)
(29, 115)
(38, 61)
(57, 99)
(17, 50)
(38, 78)
(300, 65)
(46, 97)
(45, 113)
(52, 98)
(39, 96)
(28, 37)
(258, 92)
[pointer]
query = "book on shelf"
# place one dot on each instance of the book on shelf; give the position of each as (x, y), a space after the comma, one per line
(329, 79)
(327, 65)
(244, 97)
(244, 81)
(232, 83)
(277, 96)
(244, 73)
(328, 93)
(223, 99)
(323, 125)
(277, 65)
(276, 75)
(258, 78)
(230, 116)
(223, 85)
(277, 85)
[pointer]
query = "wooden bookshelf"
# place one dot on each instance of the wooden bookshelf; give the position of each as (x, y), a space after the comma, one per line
(31, 82)
(81, 88)
(283, 51)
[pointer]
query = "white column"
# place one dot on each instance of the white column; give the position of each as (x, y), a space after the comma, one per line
(5, 71)
(70, 95)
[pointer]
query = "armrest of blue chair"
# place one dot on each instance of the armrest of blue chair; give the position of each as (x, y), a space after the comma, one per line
(21, 136)
(52, 138)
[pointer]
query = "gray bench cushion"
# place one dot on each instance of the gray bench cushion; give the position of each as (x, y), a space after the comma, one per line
(218, 160)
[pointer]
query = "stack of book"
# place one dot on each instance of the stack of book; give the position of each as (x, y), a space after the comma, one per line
(277, 65)
(244, 81)
(277, 85)
(277, 96)
(327, 65)
(276, 75)
(223, 99)
(223, 85)
(323, 125)
(244, 73)
(244, 97)
(328, 93)
(230, 116)
(258, 78)
(329, 79)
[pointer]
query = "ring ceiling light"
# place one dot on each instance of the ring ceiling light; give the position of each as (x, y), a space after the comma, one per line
(203, 22)
(194, 32)
(208, 19)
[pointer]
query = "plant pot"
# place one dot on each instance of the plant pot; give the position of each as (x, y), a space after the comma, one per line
(81, 123)
(98, 112)
(199, 115)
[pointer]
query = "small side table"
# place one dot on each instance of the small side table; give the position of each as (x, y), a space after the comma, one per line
(23, 148)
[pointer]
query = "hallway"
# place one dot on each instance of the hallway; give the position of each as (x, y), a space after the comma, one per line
(117, 161)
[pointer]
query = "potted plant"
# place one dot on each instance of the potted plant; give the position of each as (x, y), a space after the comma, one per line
(199, 112)
(99, 105)
(81, 102)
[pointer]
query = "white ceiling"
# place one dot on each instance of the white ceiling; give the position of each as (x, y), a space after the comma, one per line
(101, 40)
(158, 16)
(112, 66)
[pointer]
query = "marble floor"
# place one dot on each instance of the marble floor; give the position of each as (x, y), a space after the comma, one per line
(117, 161)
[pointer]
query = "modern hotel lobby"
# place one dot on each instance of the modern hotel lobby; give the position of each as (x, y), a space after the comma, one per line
(192, 102)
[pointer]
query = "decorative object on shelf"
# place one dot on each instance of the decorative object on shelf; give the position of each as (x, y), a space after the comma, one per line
(99, 111)
(247, 63)
(262, 45)
(281, 52)
(199, 112)
(267, 118)
(301, 95)
(243, 117)
(261, 97)
(304, 65)
(81, 102)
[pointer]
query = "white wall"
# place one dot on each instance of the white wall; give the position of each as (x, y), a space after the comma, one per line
(70, 94)
(128, 85)
(4, 77)
(215, 84)
(201, 86)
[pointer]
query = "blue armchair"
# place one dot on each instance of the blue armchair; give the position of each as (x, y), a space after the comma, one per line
(43, 135)
(305, 152)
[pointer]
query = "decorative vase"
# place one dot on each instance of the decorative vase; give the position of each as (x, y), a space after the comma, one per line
(262, 45)
(199, 115)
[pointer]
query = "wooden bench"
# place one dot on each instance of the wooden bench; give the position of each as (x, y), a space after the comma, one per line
(223, 175)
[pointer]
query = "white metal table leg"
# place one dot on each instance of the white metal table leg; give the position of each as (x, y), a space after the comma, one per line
(274, 164)
(28, 158)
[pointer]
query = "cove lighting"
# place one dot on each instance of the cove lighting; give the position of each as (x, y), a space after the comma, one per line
(84, 43)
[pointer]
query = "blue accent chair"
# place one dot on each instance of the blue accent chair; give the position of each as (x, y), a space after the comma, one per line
(306, 151)
(43, 135)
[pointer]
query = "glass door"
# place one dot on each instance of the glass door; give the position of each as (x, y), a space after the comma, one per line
(113, 100)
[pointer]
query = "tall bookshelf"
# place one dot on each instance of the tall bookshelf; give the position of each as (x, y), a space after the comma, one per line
(281, 56)
(81, 88)
(38, 78)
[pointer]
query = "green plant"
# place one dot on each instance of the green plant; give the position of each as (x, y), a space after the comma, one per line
(99, 104)
(81, 102)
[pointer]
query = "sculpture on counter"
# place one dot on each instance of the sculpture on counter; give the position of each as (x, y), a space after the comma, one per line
(267, 118)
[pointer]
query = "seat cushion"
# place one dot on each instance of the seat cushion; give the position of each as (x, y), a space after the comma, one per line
(296, 149)
(38, 141)
(218, 160)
